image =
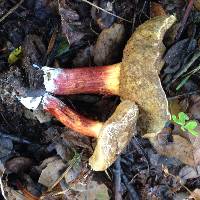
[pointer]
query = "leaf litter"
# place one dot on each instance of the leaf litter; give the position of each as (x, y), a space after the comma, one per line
(68, 34)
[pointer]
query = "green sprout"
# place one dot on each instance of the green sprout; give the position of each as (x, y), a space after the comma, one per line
(15, 55)
(185, 123)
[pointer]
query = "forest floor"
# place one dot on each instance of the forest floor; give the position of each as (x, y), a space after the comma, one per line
(40, 158)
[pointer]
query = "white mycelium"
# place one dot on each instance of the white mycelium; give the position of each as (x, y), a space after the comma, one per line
(31, 102)
(50, 74)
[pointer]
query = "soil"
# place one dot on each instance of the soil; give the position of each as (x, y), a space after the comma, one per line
(64, 34)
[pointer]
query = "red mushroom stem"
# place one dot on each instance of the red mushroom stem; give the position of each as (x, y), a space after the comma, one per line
(97, 80)
(70, 118)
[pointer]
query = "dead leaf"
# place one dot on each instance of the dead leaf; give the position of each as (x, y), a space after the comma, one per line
(171, 34)
(12, 194)
(52, 172)
(83, 57)
(6, 147)
(175, 107)
(156, 9)
(73, 172)
(18, 164)
(33, 53)
(176, 58)
(93, 191)
(195, 142)
(180, 148)
(109, 45)
(197, 4)
(180, 196)
(77, 140)
(103, 19)
(194, 106)
(70, 23)
(189, 172)
(195, 194)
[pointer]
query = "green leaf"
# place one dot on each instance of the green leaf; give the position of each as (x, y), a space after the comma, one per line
(15, 55)
(182, 117)
(191, 125)
(177, 121)
(174, 118)
(180, 120)
(182, 128)
(193, 132)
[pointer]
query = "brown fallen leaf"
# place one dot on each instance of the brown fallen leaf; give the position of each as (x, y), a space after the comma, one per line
(197, 4)
(195, 142)
(189, 172)
(33, 52)
(109, 45)
(18, 164)
(180, 148)
(83, 57)
(156, 9)
(92, 191)
(51, 172)
(70, 23)
(175, 107)
(103, 19)
(194, 107)
(195, 194)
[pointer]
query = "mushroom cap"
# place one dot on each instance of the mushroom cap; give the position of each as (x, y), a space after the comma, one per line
(139, 73)
(115, 135)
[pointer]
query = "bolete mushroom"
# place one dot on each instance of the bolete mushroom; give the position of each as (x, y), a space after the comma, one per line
(135, 80)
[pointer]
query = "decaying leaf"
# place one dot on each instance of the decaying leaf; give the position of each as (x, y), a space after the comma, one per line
(18, 164)
(175, 107)
(189, 140)
(52, 172)
(70, 22)
(103, 19)
(175, 64)
(180, 148)
(109, 45)
(189, 172)
(193, 112)
(156, 9)
(197, 4)
(195, 194)
(195, 142)
(194, 106)
(94, 191)
(141, 66)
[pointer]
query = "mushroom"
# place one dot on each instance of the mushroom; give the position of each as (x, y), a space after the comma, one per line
(135, 80)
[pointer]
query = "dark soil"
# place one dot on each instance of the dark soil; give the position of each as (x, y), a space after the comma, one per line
(40, 27)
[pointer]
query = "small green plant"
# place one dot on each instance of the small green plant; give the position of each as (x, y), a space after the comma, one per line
(185, 123)
(15, 55)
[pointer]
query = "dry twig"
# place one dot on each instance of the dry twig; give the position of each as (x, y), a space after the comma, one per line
(11, 11)
(94, 5)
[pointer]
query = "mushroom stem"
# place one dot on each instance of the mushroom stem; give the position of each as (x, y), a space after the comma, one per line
(98, 80)
(70, 118)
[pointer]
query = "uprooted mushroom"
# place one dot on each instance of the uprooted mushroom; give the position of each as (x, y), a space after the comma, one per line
(135, 80)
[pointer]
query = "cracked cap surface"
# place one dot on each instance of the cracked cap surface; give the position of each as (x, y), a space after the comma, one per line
(141, 65)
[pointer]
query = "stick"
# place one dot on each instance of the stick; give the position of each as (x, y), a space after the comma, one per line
(94, 5)
(11, 11)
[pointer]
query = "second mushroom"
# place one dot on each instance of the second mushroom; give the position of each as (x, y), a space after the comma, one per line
(136, 80)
